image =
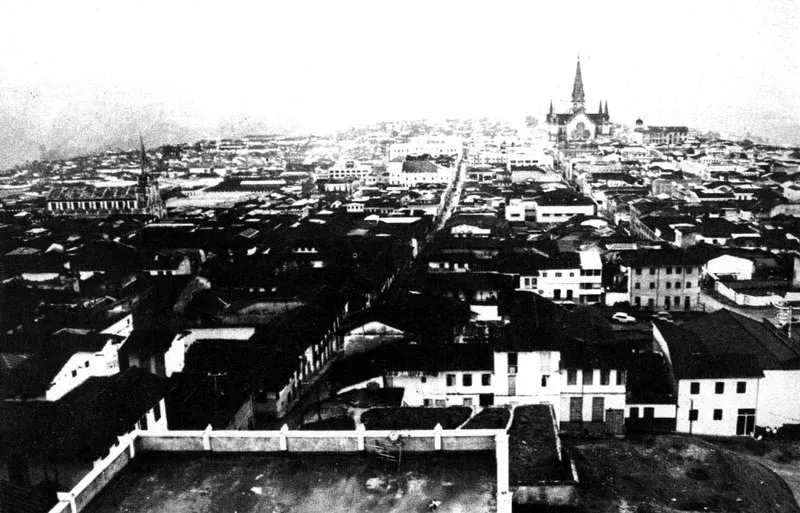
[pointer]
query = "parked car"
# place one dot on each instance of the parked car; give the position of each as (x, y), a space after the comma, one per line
(664, 316)
(623, 318)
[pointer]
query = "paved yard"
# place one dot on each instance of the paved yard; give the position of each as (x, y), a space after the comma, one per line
(171, 483)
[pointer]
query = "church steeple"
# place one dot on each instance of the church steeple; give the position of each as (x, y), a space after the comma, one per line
(578, 96)
(606, 112)
(551, 112)
(600, 108)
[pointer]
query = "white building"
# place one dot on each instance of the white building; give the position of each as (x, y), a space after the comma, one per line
(431, 145)
(410, 173)
(576, 277)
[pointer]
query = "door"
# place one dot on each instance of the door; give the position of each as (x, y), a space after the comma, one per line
(556, 293)
(486, 399)
(576, 409)
(746, 422)
(512, 384)
(569, 293)
(598, 409)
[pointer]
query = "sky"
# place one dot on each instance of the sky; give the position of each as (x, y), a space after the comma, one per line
(78, 76)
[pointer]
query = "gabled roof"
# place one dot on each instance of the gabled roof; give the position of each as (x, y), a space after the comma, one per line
(691, 358)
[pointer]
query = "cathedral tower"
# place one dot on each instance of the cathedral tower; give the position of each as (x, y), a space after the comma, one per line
(578, 96)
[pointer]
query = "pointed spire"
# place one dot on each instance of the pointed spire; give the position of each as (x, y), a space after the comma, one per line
(578, 96)
(606, 112)
(143, 154)
(600, 108)
(551, 108)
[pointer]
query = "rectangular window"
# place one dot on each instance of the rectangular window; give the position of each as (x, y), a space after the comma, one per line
(486, 379)
(638, 270)
(717, 414)
(588, 376)
(669, 284)
(693, 415)
(652, 270)
(694, 388)
(558, 275)
(598, 409)
(637, 301)
(451, 380)
(652, 284)
(544, 380)
(669, 270)
(466, 380)
(745, 421)
(677, 284)
(649, 412)
(719, 387)
(637, 285)
(426, 402)
(634, 413)
(440, 402)
(688, 284)
(741, 387)
(605, 376)
(689, 270)
(651, 303)
(423, 379)
(572, 376)
(621, 375)
(467, 401)
(512, 358)
(143, 423)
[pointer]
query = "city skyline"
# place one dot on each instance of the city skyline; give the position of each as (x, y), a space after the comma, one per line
(89, 75)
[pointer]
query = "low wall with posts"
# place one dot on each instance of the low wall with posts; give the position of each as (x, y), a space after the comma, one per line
(104, 471)
(285, 440)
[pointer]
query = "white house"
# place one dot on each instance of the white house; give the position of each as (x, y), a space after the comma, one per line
(729, 265)
(574, 277)
(80, 355)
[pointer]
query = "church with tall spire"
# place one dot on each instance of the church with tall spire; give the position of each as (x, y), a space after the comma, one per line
(578, 125)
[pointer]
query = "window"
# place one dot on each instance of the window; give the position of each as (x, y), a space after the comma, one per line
(426, 402)
(719, 387)
(652, 270)
(576, 409)
(466, 380)
(486, 379)
(741, 387)
(467, 401)
(545, 377)
(143, 423)
(544, 274)
(717, 414)
(440, 402)
(605, 377)
(649, 412)
(669, 270)
(621, 375)
(689, 270)
(571, 275)
(74, 373)
(512, 358)
(157, 412)
(634, 413)
(669, 284)
(637, 301)
(693, 415)
(651, 303)
(667, 303)
(652, 285)
(558, 275)
(572, 376)
(694, 388)
(688, 284)
(638, 270)
(677, 284)
(451, 380)
(588, 376)
(637, 286)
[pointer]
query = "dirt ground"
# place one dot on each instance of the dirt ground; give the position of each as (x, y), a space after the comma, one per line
(169, 483)
(674, 473)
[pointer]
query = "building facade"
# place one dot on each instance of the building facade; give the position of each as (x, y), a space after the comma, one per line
(578, 125)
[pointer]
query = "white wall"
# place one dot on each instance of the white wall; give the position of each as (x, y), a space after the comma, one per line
(531, 366)
(731, 265)
(778, 402)
(419, 386)
(80, 367)
(613, 394)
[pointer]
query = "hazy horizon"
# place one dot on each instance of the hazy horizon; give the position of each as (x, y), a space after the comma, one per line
(79, 76)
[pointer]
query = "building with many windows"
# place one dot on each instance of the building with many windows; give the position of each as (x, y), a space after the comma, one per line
(665, 279)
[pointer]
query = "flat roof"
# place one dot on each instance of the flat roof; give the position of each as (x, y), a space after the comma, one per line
(250, 483)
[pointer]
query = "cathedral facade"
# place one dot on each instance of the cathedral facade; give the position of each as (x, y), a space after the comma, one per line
(577, 125)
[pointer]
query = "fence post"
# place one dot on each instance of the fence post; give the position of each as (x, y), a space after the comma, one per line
(437, 437)
(207, 438)
(284, 443)
(360, 430)
(504, 496)
(132, 445)
(68, 497)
